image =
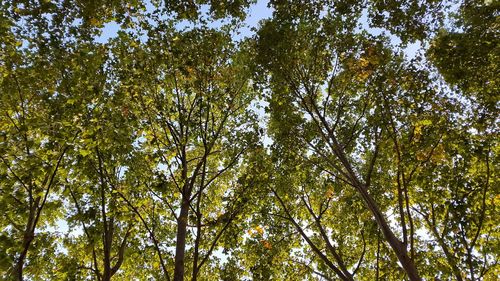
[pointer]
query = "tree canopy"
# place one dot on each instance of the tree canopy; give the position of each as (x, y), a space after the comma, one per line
(332, 140)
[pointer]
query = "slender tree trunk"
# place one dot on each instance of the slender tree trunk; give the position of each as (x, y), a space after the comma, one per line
(198, 223)
(398, 247)
(197, 242)
(378, 257)
(27, 239)
(180, 246)
(108, 237)
(106, 275)
(448, 255)
(196, 249)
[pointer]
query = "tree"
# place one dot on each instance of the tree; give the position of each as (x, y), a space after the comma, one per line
(197, 128)
(99, 167)
(40, 84)
(35, 141)
(315, 74)
(466, 55)
(314, 148)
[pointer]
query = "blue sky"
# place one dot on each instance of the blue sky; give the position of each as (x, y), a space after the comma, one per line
(255, 14)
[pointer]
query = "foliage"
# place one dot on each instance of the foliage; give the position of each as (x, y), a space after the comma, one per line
(315, 148)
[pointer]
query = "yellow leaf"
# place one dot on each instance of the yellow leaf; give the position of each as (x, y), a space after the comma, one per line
(93, 21)
(363, 62)
(259, 229)
(329, 193)
(418, 130)
(438, 154)
(363, 75)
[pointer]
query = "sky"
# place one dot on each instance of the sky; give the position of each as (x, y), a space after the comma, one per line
(257, 12)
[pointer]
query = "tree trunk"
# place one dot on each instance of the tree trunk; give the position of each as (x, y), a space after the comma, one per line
(18, 270)
(397, 246)
(197, 242)
(180, 246)
(29, 235)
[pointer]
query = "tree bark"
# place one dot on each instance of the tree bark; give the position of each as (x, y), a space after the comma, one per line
(397, 246)
(28, 238)
(180, 246)
(29, 235)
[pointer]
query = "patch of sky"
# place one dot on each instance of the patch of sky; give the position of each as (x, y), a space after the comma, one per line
(139, 141)
(255, 13)
(259, 108)
(410, 50)
(108, 31)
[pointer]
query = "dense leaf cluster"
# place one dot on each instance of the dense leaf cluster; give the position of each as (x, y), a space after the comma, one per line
(317, 147)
